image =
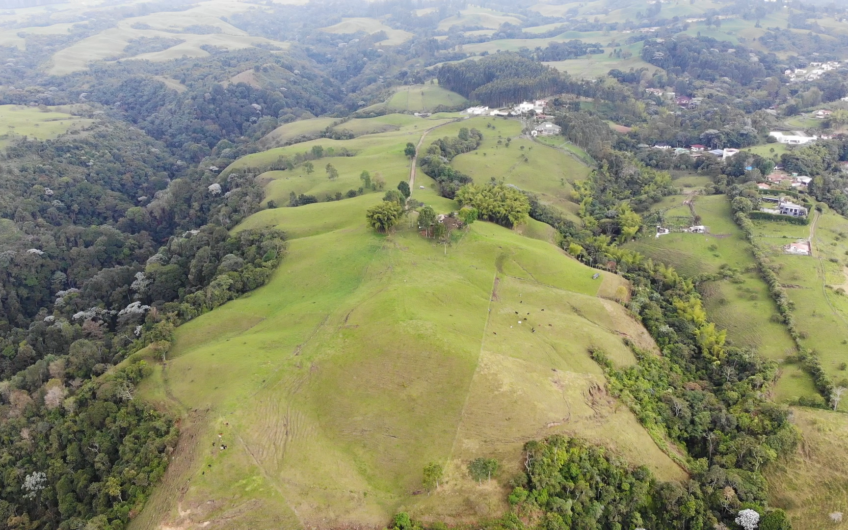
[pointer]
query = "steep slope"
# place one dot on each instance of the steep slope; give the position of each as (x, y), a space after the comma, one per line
(369, 356)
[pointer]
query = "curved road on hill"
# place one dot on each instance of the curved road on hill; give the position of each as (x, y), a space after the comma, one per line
(417, 149)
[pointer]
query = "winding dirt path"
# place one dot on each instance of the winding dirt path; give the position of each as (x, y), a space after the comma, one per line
(822, 271)
(417, 149)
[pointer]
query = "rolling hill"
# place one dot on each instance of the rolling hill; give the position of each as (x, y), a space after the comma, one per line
(319, 398)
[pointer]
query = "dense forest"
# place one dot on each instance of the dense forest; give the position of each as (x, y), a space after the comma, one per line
(708, 59)
(501, 79)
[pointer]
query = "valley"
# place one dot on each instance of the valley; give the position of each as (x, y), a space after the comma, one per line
(423, 265)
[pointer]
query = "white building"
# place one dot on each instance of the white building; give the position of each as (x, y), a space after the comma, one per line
(546, 129)
(797, 138)
(727, 153)
(477, 111)
(801, 182)
(525, 107)
(792, 209)
(800, 248)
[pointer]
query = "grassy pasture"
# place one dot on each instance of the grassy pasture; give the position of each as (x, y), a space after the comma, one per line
(543, 29)
(368, 356)
(111, 42)
(388, 144)
(171, 83)
(803, 121)
(812, 283)
(369, 25)
(743, 306)
(812, 484)
(688, 182)
(342, 384)
(765, 150)
(387, 123)
(548, 172)
(33, 122)
(290, 131)
(591, 66)
(478, 16)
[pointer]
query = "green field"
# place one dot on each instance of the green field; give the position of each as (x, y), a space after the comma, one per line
(478, 16)
(289, 132)
(423, 98)
(110, 43)
(813, 284)
(547, 171)
(42, 123)
(811, 484)
(368, 356)
(803, 121)
(768, 150)
(594, 65)
(742, 306)
(559, 142)
(376, 153)
(369, 25)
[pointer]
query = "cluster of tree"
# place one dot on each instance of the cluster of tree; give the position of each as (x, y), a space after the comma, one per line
(436, 162)
(83, 287)
(80, 454)
(586, 130)
(708, 59)
(497, 203)
(825, 46)
(823, 162)
(620, 177)
(305, 158)
(149, 45)
(701, 393)
(577, 485)
(500, 79)
(384, 216)
(561, 51)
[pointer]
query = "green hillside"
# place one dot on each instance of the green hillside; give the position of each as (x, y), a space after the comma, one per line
(368, 356)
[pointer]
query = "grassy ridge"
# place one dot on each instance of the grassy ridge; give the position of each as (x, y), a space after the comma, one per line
(368, 356)
(42, 124)
(546, 171)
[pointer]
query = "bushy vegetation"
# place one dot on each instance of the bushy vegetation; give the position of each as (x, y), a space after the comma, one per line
(497, 203)
(118, 251)
(702, 394)
(436, 162)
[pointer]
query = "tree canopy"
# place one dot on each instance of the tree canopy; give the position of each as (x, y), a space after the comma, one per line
(499, 203)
